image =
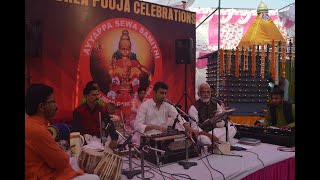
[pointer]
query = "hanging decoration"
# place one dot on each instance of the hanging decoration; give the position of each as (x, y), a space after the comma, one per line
(236, 62)
(222, 62)
(272, 60)
(283, 67)
(229, 61)
(253, 63)
(262, 62)
(246, 61)
(276, 67)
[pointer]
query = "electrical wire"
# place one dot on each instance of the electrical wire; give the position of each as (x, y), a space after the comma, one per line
(257, 156)
(206, 165)
(215, 169)
(161, 172)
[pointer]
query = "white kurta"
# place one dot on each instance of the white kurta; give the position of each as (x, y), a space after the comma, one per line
(149, 114)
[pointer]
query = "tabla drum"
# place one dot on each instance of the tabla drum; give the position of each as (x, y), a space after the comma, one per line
(109, 167)
(54, 132)
(60, 131)
(89, 159)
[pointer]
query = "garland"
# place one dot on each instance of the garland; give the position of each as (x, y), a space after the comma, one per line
(253, 68)
(276, 67)
(262, 61)
(283, 59)
(246, 61)
(221, 61)
(236, 63)
(229, 61)
(272, 60)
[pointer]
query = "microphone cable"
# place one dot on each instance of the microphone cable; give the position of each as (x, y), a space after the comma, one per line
(257, 156)
(205, 163)
(214, 168)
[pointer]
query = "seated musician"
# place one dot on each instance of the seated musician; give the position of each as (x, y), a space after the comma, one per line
(86, 117)
(152, 115)
(95, 84)
(44, 159)
(203, 109)
(280, 113)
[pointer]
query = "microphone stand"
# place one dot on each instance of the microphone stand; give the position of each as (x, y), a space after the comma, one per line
(100, 121)
(186, 164)
(129, 173)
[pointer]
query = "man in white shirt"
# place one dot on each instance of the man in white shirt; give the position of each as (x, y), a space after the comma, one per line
(153, 114)
(203, 109)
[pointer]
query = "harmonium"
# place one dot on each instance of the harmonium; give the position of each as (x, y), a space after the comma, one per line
(267, 135)
(175, 145)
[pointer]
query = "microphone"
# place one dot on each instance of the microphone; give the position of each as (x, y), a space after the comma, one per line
(167, 101)
(127, 141)
(97, 105)
(183, 114)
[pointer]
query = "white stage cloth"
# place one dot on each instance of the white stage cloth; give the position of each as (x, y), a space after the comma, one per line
(233, 167)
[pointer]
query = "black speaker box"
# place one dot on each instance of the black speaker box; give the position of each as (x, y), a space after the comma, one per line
(183, 49)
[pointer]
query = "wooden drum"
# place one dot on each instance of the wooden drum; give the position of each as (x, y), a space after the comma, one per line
(109, 167)
(89, 159)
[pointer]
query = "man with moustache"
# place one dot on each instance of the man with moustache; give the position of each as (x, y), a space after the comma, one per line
(152, 115)
(203, 109)
(44, 159)
(95, 84)
(86, 118)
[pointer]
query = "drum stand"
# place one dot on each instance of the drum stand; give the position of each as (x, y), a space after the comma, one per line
(186, 164)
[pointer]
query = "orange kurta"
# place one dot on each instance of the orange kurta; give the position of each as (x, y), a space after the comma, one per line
(43, 157)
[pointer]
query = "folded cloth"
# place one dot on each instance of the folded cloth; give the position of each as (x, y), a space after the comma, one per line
(94, 146)
(93, 142)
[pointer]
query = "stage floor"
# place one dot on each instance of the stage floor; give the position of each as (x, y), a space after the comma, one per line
(232, 167)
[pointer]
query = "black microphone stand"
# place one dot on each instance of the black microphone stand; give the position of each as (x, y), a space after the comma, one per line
(129, 173)
(100, 121)
(185, 164)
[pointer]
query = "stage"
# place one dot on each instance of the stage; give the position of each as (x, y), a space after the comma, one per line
(267, 163)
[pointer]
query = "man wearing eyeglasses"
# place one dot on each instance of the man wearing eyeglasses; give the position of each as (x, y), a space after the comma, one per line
(44, 159)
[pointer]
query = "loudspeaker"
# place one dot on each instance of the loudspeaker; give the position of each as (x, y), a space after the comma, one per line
(183, 49)
(33, 38)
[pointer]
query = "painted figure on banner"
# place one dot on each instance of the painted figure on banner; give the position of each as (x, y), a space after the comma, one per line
(123, 58)
(125, 70)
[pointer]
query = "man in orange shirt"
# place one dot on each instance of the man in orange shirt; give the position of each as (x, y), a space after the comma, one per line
(44, 159)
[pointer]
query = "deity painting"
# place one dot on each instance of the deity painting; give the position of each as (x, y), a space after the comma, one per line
(121, 62)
